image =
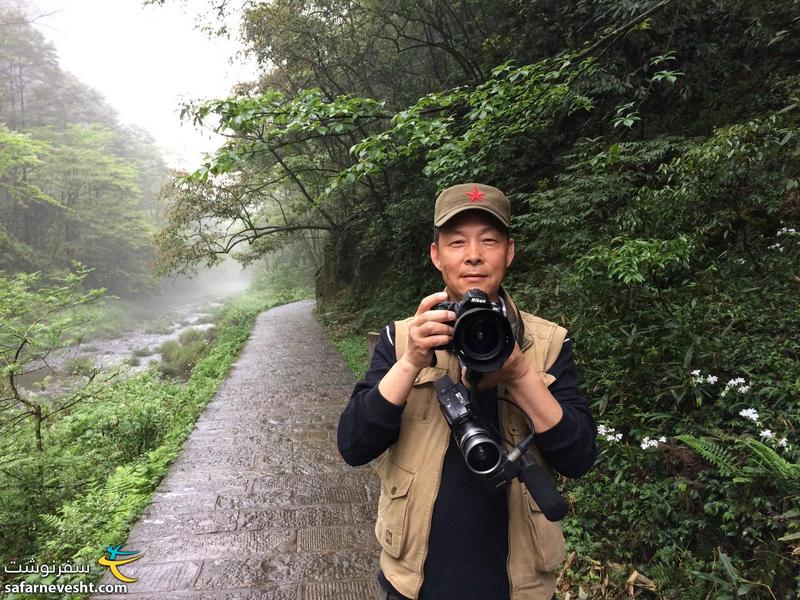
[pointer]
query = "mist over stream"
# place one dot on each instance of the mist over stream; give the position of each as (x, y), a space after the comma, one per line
(179, 305)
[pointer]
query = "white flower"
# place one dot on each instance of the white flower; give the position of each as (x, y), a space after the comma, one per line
(712, 379)
(749, 413)
(787, 231)
(783, 443)
(696, 372)
(609, 433)
(767, 434)
(652, 443)
(739, 384)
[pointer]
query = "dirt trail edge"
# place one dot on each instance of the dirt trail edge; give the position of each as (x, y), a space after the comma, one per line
(259, 504)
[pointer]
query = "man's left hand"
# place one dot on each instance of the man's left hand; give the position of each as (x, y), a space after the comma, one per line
(513, 370)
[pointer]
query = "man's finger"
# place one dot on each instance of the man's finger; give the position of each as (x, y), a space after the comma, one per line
(428, 302)
(434, 341)
(440, 316)
(430, 328)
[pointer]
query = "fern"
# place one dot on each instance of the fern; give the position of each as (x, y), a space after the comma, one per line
(767, 462)
(714, 453)
(762, 463)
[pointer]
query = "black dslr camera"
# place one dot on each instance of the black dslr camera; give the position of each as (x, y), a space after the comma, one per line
(482, 336)
(488, 459)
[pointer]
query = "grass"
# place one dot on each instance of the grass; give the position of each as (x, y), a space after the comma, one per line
(191, 336)
(178, 358)
(354, 348)
(348, 339)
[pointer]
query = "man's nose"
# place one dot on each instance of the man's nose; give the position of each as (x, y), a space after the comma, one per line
(474, 255)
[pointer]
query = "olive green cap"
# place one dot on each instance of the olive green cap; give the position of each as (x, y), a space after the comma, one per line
(471, 196)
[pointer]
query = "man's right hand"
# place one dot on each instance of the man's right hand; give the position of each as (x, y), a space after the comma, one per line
(429, 329)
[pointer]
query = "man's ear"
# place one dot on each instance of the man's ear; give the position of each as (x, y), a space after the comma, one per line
(510, 252)
(435, 256)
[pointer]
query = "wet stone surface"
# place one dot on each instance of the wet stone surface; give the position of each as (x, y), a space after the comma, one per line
(259, 504)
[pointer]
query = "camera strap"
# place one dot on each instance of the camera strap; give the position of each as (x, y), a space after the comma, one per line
(514, 317)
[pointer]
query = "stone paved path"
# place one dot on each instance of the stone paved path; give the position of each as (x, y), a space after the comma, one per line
(259, 504)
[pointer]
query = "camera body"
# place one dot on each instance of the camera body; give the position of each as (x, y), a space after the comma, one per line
(482, 335)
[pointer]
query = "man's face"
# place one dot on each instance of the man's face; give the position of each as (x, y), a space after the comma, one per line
(472, 252)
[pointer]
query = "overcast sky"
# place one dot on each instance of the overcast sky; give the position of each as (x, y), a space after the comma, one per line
(145, 60)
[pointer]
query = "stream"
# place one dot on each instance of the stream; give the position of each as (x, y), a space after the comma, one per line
(131, 351)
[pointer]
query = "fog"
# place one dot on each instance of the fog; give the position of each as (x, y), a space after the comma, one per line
(221, 281)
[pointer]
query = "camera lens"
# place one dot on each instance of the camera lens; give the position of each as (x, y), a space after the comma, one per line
(481, 453)
(483, 457)
(482, 337)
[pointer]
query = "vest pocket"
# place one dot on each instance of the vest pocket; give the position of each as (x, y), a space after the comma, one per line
(392, 506)
(548, 539)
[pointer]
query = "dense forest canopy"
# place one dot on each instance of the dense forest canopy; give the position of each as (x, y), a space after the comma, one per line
(651, 153)
(75, 185)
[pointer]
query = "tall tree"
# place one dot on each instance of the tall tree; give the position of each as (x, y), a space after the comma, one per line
(98, 220)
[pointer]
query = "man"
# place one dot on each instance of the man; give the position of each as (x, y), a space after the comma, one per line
(443, 536)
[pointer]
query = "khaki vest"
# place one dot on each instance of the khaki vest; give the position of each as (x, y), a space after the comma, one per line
(411, 469)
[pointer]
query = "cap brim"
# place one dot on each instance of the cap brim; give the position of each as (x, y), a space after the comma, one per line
(449, 215)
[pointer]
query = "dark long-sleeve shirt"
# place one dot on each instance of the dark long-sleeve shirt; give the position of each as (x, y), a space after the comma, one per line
(468, 542)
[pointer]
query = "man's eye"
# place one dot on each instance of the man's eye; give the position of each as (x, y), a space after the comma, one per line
(457, 243)
(489, 241)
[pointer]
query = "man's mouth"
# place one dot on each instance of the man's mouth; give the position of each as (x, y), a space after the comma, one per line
(473, 276)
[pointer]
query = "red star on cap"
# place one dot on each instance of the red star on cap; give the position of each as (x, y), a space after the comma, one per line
(475, 195)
